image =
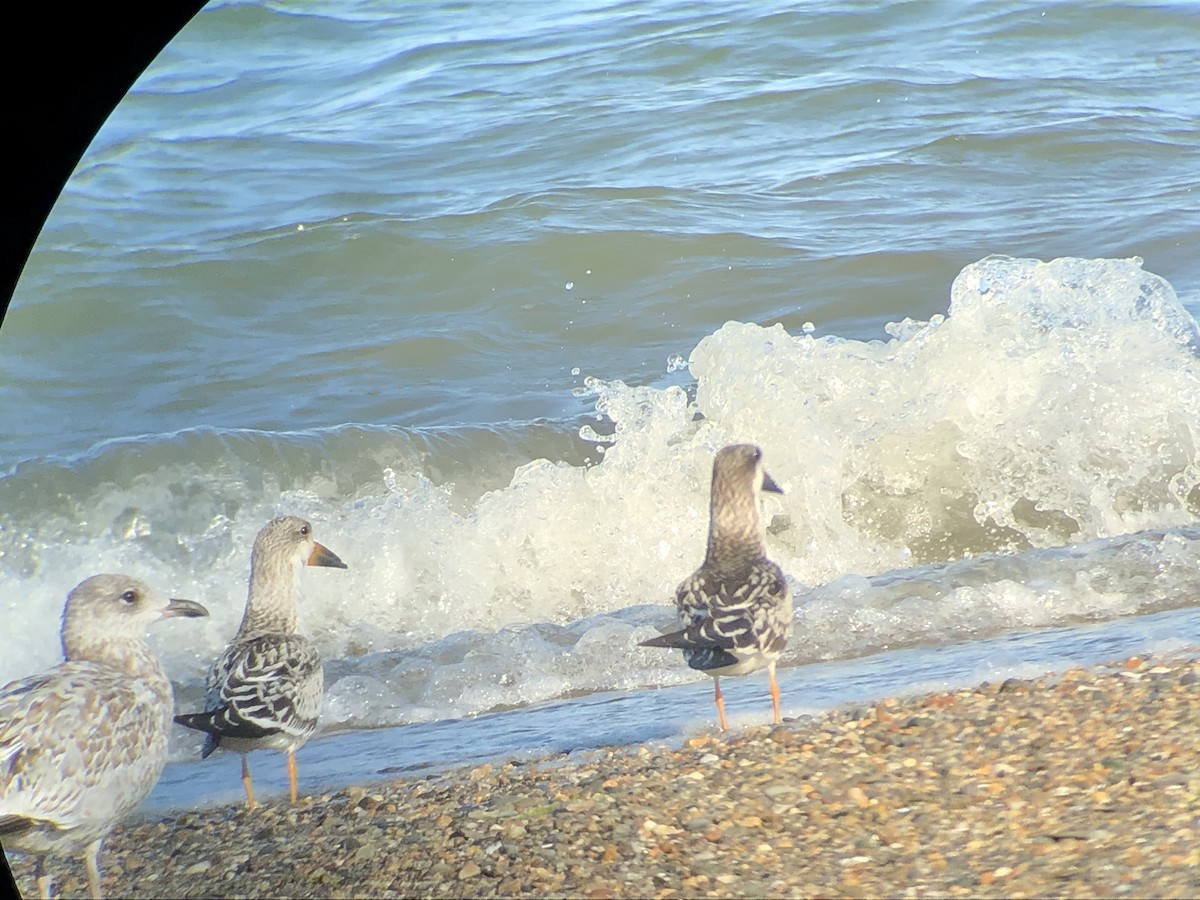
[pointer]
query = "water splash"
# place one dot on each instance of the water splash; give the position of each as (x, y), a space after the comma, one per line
(1053, 405)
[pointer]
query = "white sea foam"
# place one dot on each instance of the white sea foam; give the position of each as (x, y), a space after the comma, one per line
(930, 480)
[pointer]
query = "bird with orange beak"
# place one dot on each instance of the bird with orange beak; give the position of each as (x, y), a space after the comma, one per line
(265, 690)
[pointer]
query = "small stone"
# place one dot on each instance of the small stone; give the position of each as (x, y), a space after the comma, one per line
(366, 853)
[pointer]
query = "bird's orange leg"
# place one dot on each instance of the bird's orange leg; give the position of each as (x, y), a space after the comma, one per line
(246, 783)
(292, 773)
(720, 698)
(775, 694)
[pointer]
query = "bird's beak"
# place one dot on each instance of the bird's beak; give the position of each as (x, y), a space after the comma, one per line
(323, 556)
(770, 485)
(183, 608)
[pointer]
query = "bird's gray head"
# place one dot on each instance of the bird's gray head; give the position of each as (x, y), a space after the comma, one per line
(740, 468)
(290, 539)
(105, 610)
(282, 548)
(735, 531)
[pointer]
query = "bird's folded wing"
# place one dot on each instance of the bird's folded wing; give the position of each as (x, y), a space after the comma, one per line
(268, 686)
(724, 613)
(59, 738)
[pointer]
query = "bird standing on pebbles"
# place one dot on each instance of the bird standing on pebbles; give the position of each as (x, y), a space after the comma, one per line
(265, 690)
(736, 608)
(83, 744)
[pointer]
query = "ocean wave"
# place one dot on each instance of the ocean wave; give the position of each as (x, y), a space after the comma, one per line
(1048, 414)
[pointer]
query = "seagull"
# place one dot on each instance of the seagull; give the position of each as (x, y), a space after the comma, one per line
(265, 690)
(84, 743)
(736, 608)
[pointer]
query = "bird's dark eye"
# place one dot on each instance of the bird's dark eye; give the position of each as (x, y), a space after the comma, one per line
(304, 530)
(129, 597)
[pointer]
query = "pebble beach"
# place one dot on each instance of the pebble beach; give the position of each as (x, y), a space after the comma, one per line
(1080, 784)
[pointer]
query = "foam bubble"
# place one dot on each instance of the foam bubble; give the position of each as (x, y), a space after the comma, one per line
(1053, 405)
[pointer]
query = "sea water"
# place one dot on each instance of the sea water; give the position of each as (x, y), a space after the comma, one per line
(480, 292)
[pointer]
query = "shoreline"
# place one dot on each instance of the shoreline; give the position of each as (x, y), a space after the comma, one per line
(1084, 783)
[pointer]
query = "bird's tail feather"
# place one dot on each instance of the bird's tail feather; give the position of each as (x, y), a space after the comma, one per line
(676, 640)
(217, 724)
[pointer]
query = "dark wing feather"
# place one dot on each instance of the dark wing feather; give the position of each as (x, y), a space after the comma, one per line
(258, 694)
(701, 653)
(10, 825)
(724, 612)
(219, 723)
(720, 610)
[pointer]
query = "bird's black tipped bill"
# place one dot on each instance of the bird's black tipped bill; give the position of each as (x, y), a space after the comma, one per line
(323, 556)
(185, 608)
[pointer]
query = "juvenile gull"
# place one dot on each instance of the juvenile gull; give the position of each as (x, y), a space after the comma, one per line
(82, 745)
(265, 690)
(736, 608)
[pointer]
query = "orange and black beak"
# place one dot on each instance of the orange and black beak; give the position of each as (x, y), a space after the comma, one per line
(323, 556)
